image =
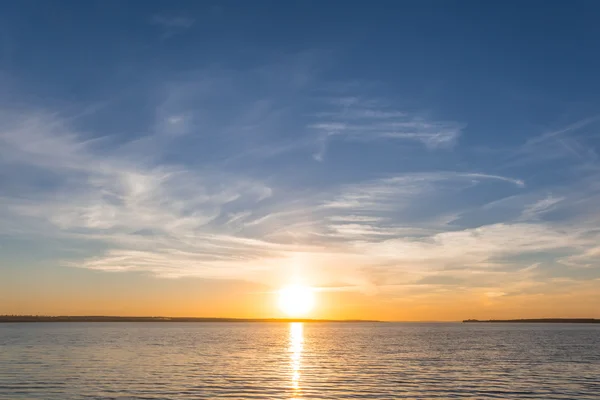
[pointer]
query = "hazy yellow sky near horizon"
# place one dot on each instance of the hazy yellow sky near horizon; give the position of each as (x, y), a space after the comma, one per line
(83, 292)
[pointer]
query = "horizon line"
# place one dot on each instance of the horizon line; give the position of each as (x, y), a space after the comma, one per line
(158, 318)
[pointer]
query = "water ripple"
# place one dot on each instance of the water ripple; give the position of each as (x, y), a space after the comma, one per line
(298, 361)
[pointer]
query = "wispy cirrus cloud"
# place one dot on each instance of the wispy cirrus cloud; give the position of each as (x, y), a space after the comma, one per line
(540, 207)
(589, 258)
(359, 119)
(573, 144)
(134, 207)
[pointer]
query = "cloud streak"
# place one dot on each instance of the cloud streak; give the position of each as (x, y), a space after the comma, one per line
(354, 118)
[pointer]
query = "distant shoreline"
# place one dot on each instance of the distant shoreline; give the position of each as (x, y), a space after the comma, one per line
(36, 318)
(540, 320)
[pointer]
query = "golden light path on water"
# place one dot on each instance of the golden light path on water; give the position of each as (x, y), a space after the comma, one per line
(295, 349)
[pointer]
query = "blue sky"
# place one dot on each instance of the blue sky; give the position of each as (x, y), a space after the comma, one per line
(395, 149)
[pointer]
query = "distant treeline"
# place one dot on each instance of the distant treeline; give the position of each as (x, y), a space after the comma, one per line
(543, 320)
(42, 318)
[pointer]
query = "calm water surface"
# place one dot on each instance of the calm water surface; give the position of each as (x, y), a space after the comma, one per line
(296, 361)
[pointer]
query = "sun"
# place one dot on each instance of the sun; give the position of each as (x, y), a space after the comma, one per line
(296, 300)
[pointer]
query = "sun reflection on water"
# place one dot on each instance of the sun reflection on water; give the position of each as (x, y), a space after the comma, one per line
(296, 344)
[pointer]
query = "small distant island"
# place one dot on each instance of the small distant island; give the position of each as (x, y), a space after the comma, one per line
(543, 320)
(43, 318)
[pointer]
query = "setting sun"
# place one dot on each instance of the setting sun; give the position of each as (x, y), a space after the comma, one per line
(296, 300)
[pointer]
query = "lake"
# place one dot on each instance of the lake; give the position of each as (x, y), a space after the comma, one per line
(298, 361)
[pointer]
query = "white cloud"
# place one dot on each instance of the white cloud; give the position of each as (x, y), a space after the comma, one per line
(540, 207)
(394, 192)
(367, 120)
(589, 258)
(570, 144)
(143, 212)
(482, 243)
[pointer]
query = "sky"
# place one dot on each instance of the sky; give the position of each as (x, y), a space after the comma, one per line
(414, 160)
